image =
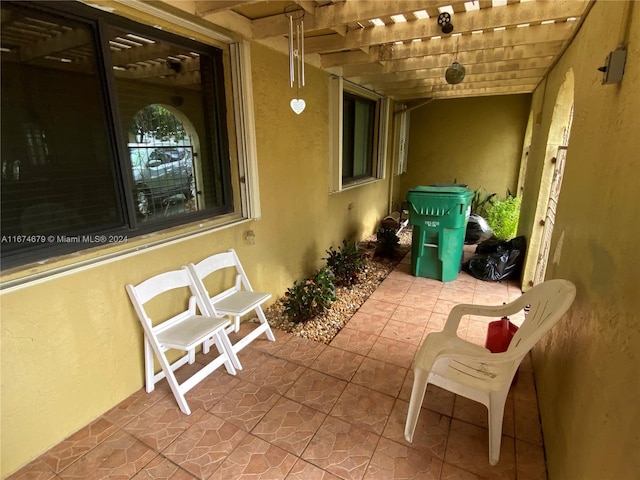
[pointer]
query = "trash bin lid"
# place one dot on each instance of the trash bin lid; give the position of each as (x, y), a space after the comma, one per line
(446, 190)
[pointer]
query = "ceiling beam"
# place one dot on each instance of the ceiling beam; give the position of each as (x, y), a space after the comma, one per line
(488, 19)
(330, 16)
(557, 32)
(457, 93)
(205, 7)
(57, 44)
(437, 77)
(152, 51)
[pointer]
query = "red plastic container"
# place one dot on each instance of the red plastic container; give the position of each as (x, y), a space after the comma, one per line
(499, 335)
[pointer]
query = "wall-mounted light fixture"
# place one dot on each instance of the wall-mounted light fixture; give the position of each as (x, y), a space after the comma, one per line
(613, 68)
(444, 20)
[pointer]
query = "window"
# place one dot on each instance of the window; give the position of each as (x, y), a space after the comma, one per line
(109, 127)
(358, 135)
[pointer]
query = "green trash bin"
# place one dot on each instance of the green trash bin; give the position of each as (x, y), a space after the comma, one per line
(439, 216)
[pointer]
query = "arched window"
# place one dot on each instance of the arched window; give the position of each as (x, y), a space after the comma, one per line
(162, 164)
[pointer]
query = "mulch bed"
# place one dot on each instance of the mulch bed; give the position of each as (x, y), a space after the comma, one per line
(325, 327)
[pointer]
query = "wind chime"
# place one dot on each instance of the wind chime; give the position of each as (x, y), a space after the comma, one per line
(455, 73)
(295, 17)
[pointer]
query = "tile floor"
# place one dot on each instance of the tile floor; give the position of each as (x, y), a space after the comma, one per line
(304, 410)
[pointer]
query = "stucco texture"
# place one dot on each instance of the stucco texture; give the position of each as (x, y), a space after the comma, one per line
(475, 141)
(588, 367)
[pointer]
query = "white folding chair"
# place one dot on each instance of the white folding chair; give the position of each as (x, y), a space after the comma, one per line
(474, 372)
(184, 331)
(235, 301)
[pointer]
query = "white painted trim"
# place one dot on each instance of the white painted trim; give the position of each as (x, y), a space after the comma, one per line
(150, 9)
(383, 138)
(337, 87)
(245, 129)
(335, 133)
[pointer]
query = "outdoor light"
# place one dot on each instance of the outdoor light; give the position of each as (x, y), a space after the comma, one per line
(444, 20)
(455, 73)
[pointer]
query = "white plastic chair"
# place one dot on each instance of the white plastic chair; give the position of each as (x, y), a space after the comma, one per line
(235, 301)
(184, 331)
(474, 372)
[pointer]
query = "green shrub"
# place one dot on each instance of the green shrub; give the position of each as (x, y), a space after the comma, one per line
(388, 242)
(310, 297)
(503, 217)
(482, 202)
(345, 263)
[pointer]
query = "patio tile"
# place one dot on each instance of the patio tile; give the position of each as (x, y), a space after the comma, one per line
(431, 431)
(134, 405)
(276, 373)
(451, 472)
(317, 390)
(363, 407)
(245, 405)
(456, 295)
(262, 343)
(388, 295)
(256, 459)
(204, 445)
(425, 288)
(392, 460)
(36, 470)
(305, 471)
(68, 451)
(393, 351)
(380, 376)
(436, 399)
(476, 414)
(367, 322)
(341, 448)
(354, 341)
(527, 424)
(482, 298)
(119, 456)
(445, 305)
(289, 425)
(394, 283)
(403, 332)
(419, 301)
(412, 314)
(300, 350)
(378, 307)
(161, 468)
(402, 273)
(530, 463)
(468, 448)
(162, 423)
(213, 388)
(338, 363)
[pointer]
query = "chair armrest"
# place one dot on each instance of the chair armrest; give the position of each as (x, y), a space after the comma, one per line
(496, 311)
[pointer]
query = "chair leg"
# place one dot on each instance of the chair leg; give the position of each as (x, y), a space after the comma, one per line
(234, 362)
(264, 321)
(173, 382)
(496, 415)
(415, 404)
(149, 374)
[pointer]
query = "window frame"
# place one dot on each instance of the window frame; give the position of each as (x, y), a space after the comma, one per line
(236, 94)
(337, 88)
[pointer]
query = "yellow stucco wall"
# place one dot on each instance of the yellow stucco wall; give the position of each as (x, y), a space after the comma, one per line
(588, 367)
(476, 141)
(71, 344)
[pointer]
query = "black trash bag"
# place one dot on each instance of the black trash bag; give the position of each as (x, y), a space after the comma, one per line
(478, 230)
(496, 260)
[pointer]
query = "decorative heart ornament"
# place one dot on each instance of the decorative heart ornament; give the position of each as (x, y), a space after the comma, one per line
(297, 105)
